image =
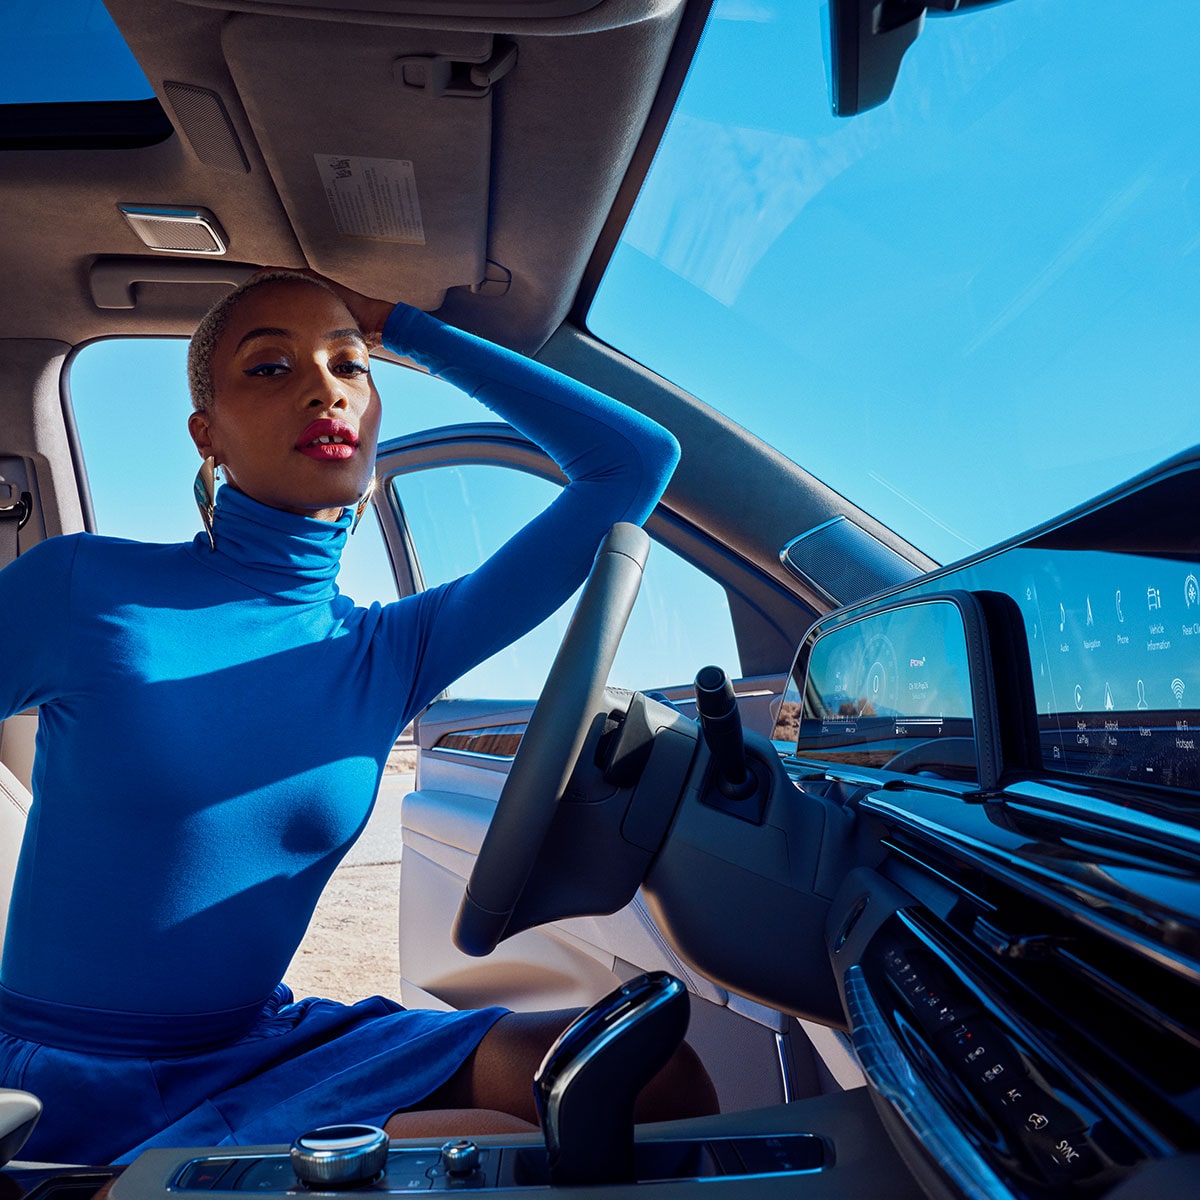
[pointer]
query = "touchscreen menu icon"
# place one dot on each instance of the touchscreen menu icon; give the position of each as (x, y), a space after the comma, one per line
(1191, 591)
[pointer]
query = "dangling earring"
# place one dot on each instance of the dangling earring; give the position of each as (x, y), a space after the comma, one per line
(361, 507)
(204, 489)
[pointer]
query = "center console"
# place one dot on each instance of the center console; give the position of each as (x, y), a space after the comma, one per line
(816, 1149)
(467, 1165)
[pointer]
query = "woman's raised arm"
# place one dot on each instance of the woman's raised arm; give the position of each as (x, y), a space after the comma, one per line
(617, 461)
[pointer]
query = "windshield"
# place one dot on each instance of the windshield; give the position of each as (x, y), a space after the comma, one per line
(967, 310)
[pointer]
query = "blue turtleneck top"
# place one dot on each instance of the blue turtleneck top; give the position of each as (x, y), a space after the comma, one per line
(214, 724)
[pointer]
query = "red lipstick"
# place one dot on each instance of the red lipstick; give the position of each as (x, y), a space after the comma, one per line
(328, 441)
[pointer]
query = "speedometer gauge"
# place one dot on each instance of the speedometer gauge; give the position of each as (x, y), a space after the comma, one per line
(874, 685)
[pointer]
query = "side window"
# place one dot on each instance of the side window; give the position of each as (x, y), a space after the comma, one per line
(458, 515)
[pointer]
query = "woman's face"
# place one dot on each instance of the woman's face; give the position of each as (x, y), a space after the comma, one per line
(295, 415)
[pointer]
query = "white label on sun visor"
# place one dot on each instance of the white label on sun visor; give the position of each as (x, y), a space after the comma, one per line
(373, 197)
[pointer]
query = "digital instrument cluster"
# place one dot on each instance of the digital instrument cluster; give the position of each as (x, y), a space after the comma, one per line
(882, 686)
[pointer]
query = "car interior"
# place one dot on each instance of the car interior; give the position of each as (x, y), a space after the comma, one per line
(910, 850)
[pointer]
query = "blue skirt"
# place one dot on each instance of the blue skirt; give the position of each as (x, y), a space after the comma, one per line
(303, 1064)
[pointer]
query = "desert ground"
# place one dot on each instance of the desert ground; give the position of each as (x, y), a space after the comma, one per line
(350, 950)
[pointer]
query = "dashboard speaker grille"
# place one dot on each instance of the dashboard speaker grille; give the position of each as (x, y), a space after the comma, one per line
(844, 563)
(205, 124)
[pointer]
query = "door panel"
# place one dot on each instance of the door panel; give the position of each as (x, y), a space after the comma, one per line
(490, 728)
(442, 833)
(538, 969)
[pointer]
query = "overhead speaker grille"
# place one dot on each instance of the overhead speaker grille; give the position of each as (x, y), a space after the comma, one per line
(844, 562)
(176, 230)
(202, 119)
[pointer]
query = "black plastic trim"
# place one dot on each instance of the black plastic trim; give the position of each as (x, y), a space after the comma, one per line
(687, 41)
(1166, 937)
(84, 125)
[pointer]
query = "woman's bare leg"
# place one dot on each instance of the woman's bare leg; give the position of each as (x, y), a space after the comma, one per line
(498, 1075)
(443, 1123)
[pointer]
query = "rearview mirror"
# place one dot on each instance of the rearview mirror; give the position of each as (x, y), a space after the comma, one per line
(865, 43)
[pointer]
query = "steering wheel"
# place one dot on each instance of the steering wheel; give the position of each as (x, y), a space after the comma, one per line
(558, 725)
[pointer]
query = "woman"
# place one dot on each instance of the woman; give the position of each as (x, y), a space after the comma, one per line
(215, 718)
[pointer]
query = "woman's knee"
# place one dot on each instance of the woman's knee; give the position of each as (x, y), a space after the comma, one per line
(445, 1123)
(498, 1075)
(683, 1088)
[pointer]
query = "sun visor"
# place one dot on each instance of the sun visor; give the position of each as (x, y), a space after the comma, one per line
(392, 197)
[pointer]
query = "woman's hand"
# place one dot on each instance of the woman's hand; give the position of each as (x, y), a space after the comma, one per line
(369, 314)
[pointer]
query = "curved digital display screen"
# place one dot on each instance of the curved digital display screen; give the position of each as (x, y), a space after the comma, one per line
(1110, 608)
(1114, 651)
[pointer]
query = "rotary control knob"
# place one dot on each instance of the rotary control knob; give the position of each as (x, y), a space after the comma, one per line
(339, 1156)
(460, 1157)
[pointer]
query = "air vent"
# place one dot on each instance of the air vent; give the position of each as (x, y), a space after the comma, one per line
(844, 562)
(175, 230)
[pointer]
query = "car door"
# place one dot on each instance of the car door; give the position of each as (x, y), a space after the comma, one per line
(449, 497)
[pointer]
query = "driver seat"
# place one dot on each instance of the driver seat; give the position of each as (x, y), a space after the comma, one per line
(14, 808)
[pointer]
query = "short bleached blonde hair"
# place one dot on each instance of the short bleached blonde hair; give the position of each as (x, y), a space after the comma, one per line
(208, 333)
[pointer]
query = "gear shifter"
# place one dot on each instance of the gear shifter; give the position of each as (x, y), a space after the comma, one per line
(588, 1082)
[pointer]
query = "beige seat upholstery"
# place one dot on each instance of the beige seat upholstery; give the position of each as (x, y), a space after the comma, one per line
(14, 807)
(18, 744)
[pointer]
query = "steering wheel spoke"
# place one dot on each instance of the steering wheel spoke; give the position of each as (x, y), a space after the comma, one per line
(557, 729)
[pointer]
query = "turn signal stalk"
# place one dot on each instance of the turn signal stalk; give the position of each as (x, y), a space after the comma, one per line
(721, 724)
